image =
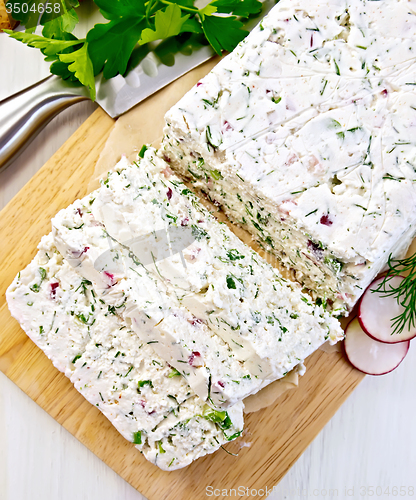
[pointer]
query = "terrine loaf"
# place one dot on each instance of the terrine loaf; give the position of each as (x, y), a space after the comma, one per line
(305, 136)
(146, 399)
(215, 310)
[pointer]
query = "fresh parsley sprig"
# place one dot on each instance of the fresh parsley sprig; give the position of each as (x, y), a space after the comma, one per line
(111, 47)
(405, 293)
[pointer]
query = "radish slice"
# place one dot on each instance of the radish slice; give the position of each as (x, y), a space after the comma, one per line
(370, 356)
(376, 312)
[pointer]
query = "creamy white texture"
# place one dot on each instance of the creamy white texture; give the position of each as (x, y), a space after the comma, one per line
(266, 320)
(144, 398)
(305, 136)
(226, 320)
(184, 341)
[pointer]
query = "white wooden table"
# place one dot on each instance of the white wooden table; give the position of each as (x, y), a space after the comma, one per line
(371, 441)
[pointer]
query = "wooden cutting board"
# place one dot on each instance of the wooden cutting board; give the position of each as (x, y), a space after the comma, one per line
(277, 435)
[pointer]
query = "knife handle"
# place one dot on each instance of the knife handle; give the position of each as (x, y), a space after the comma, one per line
(25, 114)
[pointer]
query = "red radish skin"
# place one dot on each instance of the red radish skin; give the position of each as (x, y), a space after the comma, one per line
(376, 311)
(370, 356)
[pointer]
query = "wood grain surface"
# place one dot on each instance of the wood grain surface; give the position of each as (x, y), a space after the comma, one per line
(274, 438)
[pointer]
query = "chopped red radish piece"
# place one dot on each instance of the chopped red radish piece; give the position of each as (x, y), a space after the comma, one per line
(370, 356)
(376, 312)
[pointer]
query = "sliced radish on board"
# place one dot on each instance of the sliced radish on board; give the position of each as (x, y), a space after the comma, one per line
(370, 356)
(376, 312)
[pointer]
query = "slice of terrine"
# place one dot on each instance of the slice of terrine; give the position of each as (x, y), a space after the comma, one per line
(216, 310)
(158, 317)
(147, 400)
(305, 136)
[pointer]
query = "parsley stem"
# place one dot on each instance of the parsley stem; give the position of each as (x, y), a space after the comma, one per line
(188, 9)
(156, 6)
(148, 8)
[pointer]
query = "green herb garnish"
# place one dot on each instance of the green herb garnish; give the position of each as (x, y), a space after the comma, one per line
(143, 151)
(234, 254)
(174, 373)
(405, 292)
(230, 282)
(122, 39)
(137, 437)
(216, 174)
(214, 415)
(36, 286)
(142, 383)
(198, 233)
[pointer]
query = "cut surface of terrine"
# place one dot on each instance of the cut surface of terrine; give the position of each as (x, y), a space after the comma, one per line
(305, 136)
(147, 400)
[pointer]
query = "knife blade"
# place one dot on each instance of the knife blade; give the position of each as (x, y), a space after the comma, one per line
(118, 95)
(25, 114)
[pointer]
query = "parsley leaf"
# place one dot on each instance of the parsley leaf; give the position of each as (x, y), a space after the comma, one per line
(61, 69)
(80, 64)
(184, 3)
(191, 25)
(49, 46)
(167, 23)
(223, 33)
(111, 44)
(61, 26)
(208, 10)
(243, 8)
(114, 9)
(52, 49)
